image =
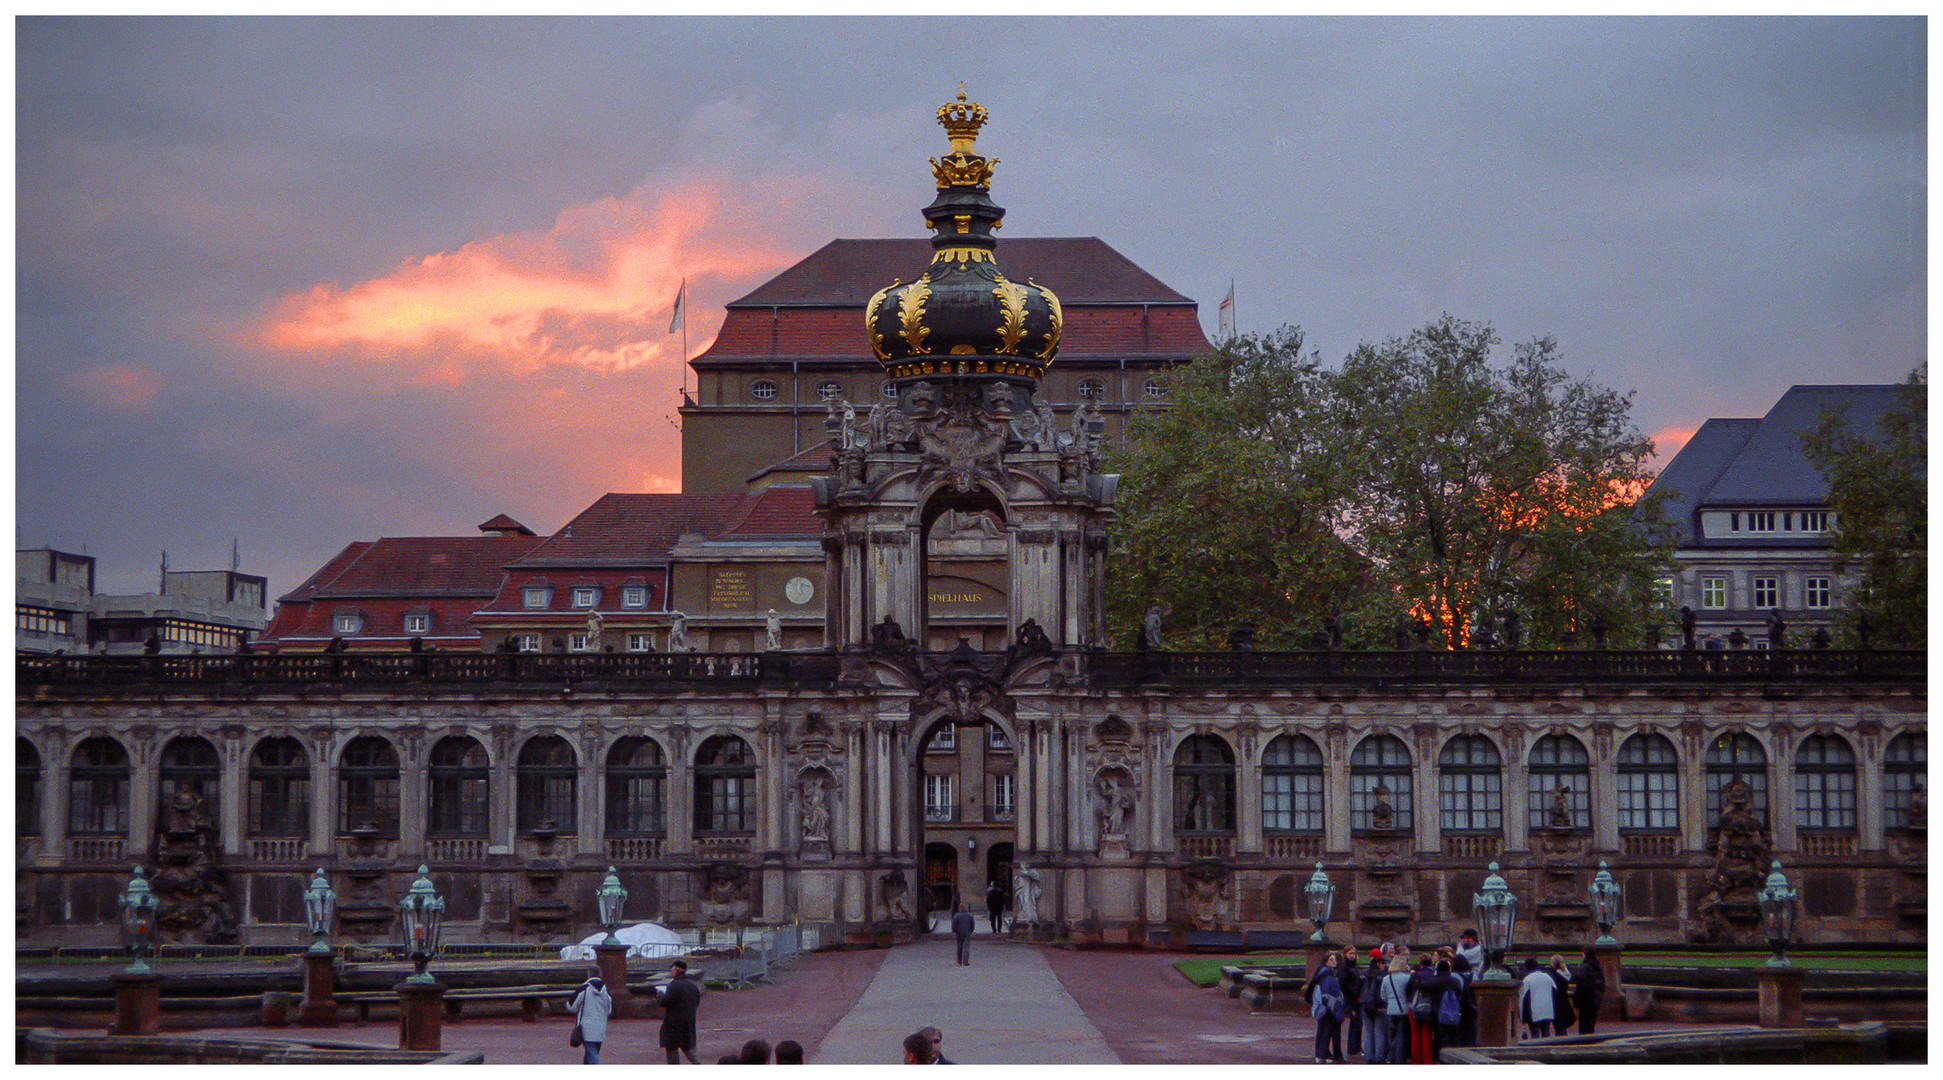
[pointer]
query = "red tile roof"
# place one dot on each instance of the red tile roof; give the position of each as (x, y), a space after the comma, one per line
(777, 511)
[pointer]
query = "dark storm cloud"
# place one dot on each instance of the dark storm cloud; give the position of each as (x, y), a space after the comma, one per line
(467, 231)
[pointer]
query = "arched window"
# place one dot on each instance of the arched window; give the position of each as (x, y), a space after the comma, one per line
(1905, 765)
(97, 789)
(637, 780)
(1737, 757)
(190, 764)
(461, 780)
(1292, 786)
(725, 788)
(1379, 786)
(1204, 786)
(546, 784)
(279, 790)
(367, 786)
(1649, 785)
(1470, 786)
(26, 788)
(1825, 784)
(1558, 789)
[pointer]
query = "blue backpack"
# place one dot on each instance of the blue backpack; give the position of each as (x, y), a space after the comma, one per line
(1450, 1010)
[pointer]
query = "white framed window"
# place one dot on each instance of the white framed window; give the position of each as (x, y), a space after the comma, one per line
(1004, 796)
(1814, 521)
(1815, 593)
(417, 624)
(995, 738)
(1090, 389)
(1767, 592)
(1713, 593)
(640, 643)
(347, 624)
(535, 596)
(634, 596)
(527, 642)
(1155, 389)
(945, 738)
(938, 803)
(887, 390)
(585, 596)
(577, 642)
(827, 389)
(763, 390)
(1757, 521)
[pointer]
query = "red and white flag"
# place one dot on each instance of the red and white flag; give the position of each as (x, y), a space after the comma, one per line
(1225, 314)
(681, 300)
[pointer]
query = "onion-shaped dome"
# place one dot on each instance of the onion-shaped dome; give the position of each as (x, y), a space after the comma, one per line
(962, 305)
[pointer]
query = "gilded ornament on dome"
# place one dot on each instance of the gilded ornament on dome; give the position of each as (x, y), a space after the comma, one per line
(870, 320)
(1011, 296)
(910, 308)
(1058, 320)
(962, 170)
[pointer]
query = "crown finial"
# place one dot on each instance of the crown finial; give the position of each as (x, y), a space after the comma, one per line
(963, 166)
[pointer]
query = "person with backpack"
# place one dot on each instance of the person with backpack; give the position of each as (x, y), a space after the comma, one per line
(1352, 984)
(590, 1007)
(1376, 1023)
(1327, 1007)
(1467, 1000)
(1587, 991)
(1435, 1009)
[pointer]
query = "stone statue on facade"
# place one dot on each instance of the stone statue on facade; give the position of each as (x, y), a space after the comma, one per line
(726, 900)
(773, 631)
(1559, 815)
(1150, 627)
(193, 897)
(896, 891)
(1729, 909)
(1916, 811)
(1383, 815)
(1206, 894)
(594, 627)
(1032, 640)
(815, 796)
(847, 427)
(1114, 797)
(1777, 631)
(1025, 893)
(677, 632)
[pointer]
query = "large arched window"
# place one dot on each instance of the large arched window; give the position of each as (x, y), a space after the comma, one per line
(1737, 757)
(461, 780)
(97, 789)
(1649, 785)
(1905, 765)
(1470, 786)
(546, 782)
(637, 780)
(1825, 785)
(26, 788)
(1379, 785)
(190, 764)
(1204, 786)
(1292, 786)
(279, 789)
(1558, 787)
(367, 786)
(725, 788)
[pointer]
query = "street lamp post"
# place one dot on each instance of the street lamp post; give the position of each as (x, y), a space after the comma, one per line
(1319, 897)
(1496, 911)
(319, 1009)
(611, 955)
(1606, 897)
(138, 990)
(421, 918)
(1780, 981)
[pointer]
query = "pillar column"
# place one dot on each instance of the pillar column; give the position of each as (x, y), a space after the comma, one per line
(1781, 793)
(853, 788)
(323, 804)
(1517, 802)
(1613, 1005)
(229, 797)
(1868, 794)
(1605, 804)
(320, 982)
(144, 788)
(1496, 1017)
(53, 807)
(1335, 777)
(412, 806)
(499, 798)
(1780, 996)
(1248, 791)
(681, 793)
(138, 1003)
(612, 962)
(420, 1013)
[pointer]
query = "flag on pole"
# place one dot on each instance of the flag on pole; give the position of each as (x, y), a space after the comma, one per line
(1225, 314)
(681, 299)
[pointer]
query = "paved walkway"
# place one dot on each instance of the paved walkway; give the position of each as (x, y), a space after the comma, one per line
(1007, 1007)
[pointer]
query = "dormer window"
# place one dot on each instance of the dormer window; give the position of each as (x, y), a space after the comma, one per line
(584, 596)
(763, 390)
(527, 642)
(417, 624)
(349, 623)
(634, 596)
(535, 597)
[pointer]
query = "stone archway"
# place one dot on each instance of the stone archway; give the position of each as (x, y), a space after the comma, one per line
(964, 571)
(957, 770)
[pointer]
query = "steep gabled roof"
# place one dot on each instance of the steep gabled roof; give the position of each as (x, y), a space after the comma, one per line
(633, 528)
(417, 566)
(844, 273)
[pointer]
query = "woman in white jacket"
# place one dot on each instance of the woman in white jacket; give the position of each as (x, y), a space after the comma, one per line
(590, 1008)
(1535, 999)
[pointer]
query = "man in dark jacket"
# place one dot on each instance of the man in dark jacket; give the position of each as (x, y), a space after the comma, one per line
(679, 1001)
(1351, 983)
(1433, 1036)
(962, 925)
(1587, 990)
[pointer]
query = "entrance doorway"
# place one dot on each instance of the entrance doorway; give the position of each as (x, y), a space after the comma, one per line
(940, 877)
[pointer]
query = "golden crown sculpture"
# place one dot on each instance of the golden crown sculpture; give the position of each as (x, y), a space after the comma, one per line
(961, 120)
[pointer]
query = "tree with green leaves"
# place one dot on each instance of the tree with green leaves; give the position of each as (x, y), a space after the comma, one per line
(1878, 489)
(1419, 480)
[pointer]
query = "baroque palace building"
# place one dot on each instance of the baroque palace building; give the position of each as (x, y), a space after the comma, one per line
(855, 673)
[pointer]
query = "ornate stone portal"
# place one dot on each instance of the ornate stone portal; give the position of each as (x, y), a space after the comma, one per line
(194, 897)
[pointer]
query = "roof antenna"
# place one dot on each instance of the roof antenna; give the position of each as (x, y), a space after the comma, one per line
(165, 572)
(235, 555)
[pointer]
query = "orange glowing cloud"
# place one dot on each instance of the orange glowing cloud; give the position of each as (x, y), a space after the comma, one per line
(594, 291)
(1668, 441)
(121, 387)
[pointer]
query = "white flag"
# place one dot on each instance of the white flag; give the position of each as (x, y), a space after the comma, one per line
(1225, 314)
(681, 299)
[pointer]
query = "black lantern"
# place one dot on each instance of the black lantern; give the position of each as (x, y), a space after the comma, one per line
(138, 907)
(609, 900)
(320, 903)
(421, 915)
(1605, 904)
(1778, 915)
(1496, 910)
(1322, 900)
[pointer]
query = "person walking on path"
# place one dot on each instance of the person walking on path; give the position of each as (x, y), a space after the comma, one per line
(1535, 995)
(995, 907)
(962, 925)
(590, 1007)
(1588, 990)
(679, 1001)
(1563, 1015)
(937, 1045)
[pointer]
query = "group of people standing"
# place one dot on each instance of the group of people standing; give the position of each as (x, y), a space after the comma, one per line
(1401, 1009)
(680, 999)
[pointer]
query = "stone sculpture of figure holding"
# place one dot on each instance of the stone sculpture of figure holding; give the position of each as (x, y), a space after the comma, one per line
(816, 808)
(1113, 803)
(888, 636)
(1150, 627)
(847, 427)
(1916, 812)
(594, 625)
(1382, 814)
(1741, 840)
(1560, 814)
(773, 628)
(678, 632)
(1777, 631)
(1033, 639)
(1025, 894)
(1048, 437)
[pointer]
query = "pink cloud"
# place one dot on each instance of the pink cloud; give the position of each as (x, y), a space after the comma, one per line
(1668, 440)
(120, 387)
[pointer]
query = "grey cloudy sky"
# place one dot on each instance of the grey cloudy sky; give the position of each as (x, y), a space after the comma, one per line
(303, 282)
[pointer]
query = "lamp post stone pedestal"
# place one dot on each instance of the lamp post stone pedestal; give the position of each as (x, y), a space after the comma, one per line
(138, 1003)
(319, 1009)
(1495, 998)
(1780, 996)
(1613, 1005)
(421, 1012)
(1313, 954)
(612, 962)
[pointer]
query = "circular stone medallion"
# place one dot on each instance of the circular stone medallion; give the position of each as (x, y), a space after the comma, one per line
(799, 590)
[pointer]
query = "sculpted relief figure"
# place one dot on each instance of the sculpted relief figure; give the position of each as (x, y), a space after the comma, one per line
(1025, 893)
(677, 632)
(1113, 803)
(1383, 814)
(816, 806)
(1560, 814)
(1916, 813)
(773, 629)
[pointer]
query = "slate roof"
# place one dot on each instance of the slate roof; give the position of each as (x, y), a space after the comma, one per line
(416, 566)
(631, 529)
(1741, 462)
(1081, 269)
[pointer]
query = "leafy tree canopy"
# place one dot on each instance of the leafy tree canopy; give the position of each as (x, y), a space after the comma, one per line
(1878, 488)
(1419, 479)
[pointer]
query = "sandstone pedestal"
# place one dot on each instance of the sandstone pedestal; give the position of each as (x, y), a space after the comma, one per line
(138, 1003)
(612, 961)
(421, 1009)
(320, 982)
(1613, 1005)
(1780, 997)
(1495, 1013)
(1313, 954)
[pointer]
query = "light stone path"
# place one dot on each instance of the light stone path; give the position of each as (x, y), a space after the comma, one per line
(1006, 1008)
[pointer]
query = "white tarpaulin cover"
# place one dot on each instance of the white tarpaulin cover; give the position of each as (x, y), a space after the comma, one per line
(642, 939)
